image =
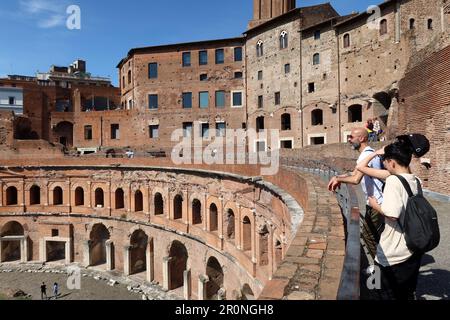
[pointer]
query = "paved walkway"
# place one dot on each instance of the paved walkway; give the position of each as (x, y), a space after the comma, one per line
(434, 279)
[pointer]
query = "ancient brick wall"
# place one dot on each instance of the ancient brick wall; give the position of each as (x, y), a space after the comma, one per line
(425, 108)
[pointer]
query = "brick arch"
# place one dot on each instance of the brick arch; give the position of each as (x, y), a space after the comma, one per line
(177, 207)
(215, 272)
(230, 228)
(213, 220)
(201, 199)
(247, 224)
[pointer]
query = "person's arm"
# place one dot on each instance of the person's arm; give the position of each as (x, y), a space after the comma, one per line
(364, 168)
(355, 179)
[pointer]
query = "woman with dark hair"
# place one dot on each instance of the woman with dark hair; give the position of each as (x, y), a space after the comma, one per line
(399, 266)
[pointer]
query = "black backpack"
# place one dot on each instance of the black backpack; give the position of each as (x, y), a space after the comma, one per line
(421, 227)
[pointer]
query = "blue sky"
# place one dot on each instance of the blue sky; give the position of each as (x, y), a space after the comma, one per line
(37, 37)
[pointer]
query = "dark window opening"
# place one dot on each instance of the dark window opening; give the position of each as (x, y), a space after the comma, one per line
(317, 117)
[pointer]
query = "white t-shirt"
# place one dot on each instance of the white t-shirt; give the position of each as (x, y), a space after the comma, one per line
(392, 249)
(371, 187)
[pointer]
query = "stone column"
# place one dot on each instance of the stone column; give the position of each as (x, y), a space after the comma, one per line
(237, 228)
(23, 250)
(126, 260)
(166, 273)
(187, 290)
(150, 260)
(397, 22)
(185, 213)
(86, 253)
(68, 252)
(253, 233)
(109, 255)
(202, 282)
(1, 193)
(42, 251)
(271, 253)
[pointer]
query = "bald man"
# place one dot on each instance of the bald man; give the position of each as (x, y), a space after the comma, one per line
(371, 187)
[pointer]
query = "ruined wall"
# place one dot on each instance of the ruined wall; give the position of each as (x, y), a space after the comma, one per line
(424, 108)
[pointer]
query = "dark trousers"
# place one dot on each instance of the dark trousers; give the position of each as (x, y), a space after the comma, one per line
(399, 282)
(373, 226)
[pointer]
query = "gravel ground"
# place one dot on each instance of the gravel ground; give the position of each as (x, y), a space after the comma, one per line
(94, 284)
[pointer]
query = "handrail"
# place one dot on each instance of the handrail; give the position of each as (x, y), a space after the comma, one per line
(349, 288)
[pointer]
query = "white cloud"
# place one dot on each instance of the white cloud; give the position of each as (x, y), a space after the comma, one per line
(47, 13)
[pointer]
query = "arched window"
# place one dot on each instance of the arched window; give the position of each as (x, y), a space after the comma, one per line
(79, 196)
(430, 24)
(123, 82)
(213, 217)
(138, 201)
(196, 212)
(57, 196)
(35, 195)
(129, 76)
(247, 234)
(260, 49)
(317, 117)
(120, 201)
(412, 24)
(286, 122)
(316, 59)
(383, 27)
(11, 196)
(355, 113)
(177, 207)
(283, 40)
(99, 198)
(346, 40)
(158, 204)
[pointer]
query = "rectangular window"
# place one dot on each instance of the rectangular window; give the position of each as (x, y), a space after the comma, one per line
(260, 75)
(287, 68)
(237, 99)
(220, 99)
(153, 131)
(221, 128)
(152, 70)
(203, 98)
(153, 101)
(311, 87)
(205, 130)
(203, 57)
(187, 100)
(238, 54)
(220, 56)
(12, 101)
(277, 98)
(186, 59)
(286, 144)
(87, 132)
(238, 75)
(203, 77)
(260, 102)
(317, 35)
(187, 129)
(115, 132)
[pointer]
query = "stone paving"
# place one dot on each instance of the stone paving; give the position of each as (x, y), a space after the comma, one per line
(95, 284)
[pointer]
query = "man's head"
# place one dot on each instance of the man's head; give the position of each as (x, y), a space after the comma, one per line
(358, 138)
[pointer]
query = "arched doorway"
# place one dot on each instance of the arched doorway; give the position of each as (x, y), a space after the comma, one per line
(230, 225)
(97, 249)
(138, 252)
(247, 234)
(177, 207)
(35, 195)
(11, 248)
(57, 196)
(213, 217)
(196, 212)
(79, 197)
(216, 278)
(99, 198)
(178, 264)
(11, 196)
(158, 204)
(120, 201)
(138, 201)
(263, 246)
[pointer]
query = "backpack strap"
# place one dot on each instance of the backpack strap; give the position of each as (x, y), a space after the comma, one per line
(406, 185)
(419, 188)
